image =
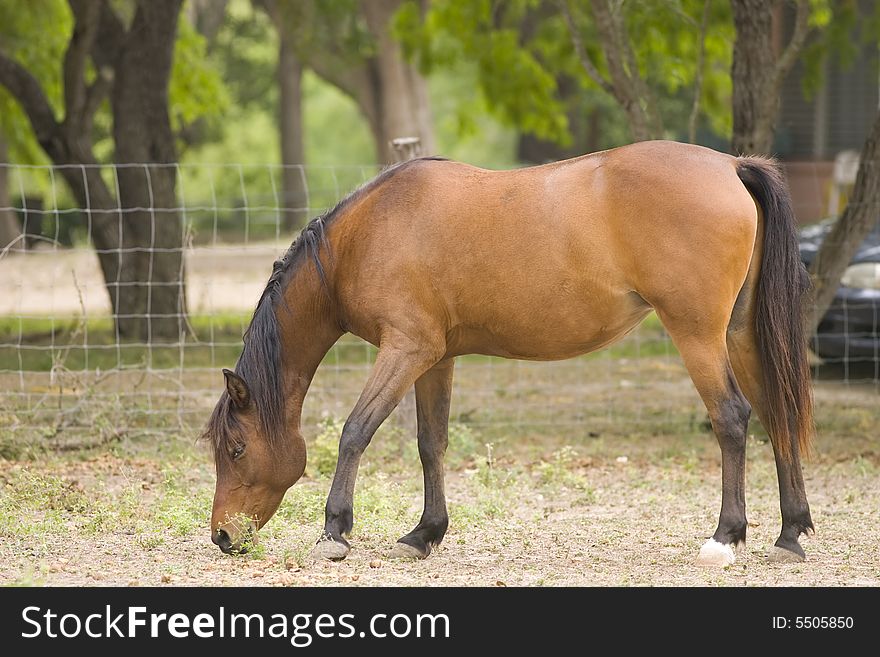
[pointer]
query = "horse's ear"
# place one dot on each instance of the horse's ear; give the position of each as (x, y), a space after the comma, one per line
(237, 389)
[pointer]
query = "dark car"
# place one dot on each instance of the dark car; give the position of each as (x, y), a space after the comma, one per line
(850, 330)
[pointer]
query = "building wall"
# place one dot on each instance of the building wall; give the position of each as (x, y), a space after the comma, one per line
(813, 128)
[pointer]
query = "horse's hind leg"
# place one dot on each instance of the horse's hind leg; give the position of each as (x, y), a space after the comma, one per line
(706, 358)
(398, 364)
(433, 394)
(792, 496)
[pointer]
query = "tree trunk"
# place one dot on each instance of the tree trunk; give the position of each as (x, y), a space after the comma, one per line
(151, 295)
(207, 17)
(758, 71)
(754, 110)
(631, 90)
(10, 228)
(401, 107)
(850, 230)
(139, 236)
(295, 197)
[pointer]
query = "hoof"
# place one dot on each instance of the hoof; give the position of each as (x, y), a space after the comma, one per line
(329, 549)
(777, 554)
(716, 554)
(404, 551)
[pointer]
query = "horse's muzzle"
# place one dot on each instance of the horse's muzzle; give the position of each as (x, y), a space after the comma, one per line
(221, 539)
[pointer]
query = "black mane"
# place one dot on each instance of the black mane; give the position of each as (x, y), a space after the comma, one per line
(260, 361)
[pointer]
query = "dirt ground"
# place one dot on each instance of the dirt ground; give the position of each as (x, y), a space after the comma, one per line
(536, 510)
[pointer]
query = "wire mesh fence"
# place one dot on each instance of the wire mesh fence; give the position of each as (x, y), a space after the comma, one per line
(66, 371)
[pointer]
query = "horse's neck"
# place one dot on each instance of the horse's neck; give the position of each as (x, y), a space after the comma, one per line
(308, 328)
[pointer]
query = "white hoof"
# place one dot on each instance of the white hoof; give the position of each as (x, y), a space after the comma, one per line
(716, 554)
(330, 550)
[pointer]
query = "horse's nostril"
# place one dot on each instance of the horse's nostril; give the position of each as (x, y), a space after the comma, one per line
(222, 540)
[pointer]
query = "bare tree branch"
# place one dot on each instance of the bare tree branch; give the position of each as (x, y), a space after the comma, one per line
(850, 230)
(619, 38)
(798, 38)
(85, 29)
(110, 39)
(95, 94)
(30, 95)
(581, 51)
(271, 9)
(630, 90)
(207, 17)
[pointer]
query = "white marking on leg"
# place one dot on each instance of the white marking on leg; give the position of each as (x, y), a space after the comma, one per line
(714, 553)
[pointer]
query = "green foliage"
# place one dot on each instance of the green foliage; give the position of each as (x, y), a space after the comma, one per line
(323, 450)
(246, 51)
(843, 29)
(323, 27)
(523, 52)
(464, 444)
(334, 131)
(667, 48)
(196, 90)
(561, 471)
(35, 34)
(514, 83)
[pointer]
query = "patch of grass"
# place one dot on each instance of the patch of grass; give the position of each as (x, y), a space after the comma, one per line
(492, 492)
(150, 540)
(304, 503)
(464, 443)
(34, 507)
(41, 344)
(562, 470)
(253, 549)
(380, 508)
(491, 474)
(179, 514)
(17, 448)
(38, 344)
(323, 450)
(47, 492)
(484, 506)
(109, 512)
(77, 344)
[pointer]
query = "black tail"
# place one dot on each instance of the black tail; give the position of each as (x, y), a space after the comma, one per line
(779, 312)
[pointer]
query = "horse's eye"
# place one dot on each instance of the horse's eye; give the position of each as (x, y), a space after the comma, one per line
(237, 451)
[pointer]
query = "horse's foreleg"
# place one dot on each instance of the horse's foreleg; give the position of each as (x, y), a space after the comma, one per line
(398, 364)
(433, 395)
(707, 362)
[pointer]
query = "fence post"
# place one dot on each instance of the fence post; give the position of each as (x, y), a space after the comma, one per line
(406, 148)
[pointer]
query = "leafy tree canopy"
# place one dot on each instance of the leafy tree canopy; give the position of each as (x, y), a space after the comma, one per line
(523, 49)
(37, 33)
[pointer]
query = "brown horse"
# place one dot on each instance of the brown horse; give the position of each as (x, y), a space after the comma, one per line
(434, 259)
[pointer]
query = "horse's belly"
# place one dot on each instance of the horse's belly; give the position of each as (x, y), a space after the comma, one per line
(548, 334)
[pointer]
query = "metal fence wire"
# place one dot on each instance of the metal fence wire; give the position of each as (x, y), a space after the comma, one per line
(64, 370)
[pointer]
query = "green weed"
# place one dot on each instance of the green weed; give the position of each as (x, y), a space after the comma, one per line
(324, 449)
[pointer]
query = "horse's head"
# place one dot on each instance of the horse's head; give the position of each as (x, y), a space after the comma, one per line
(253, 469)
